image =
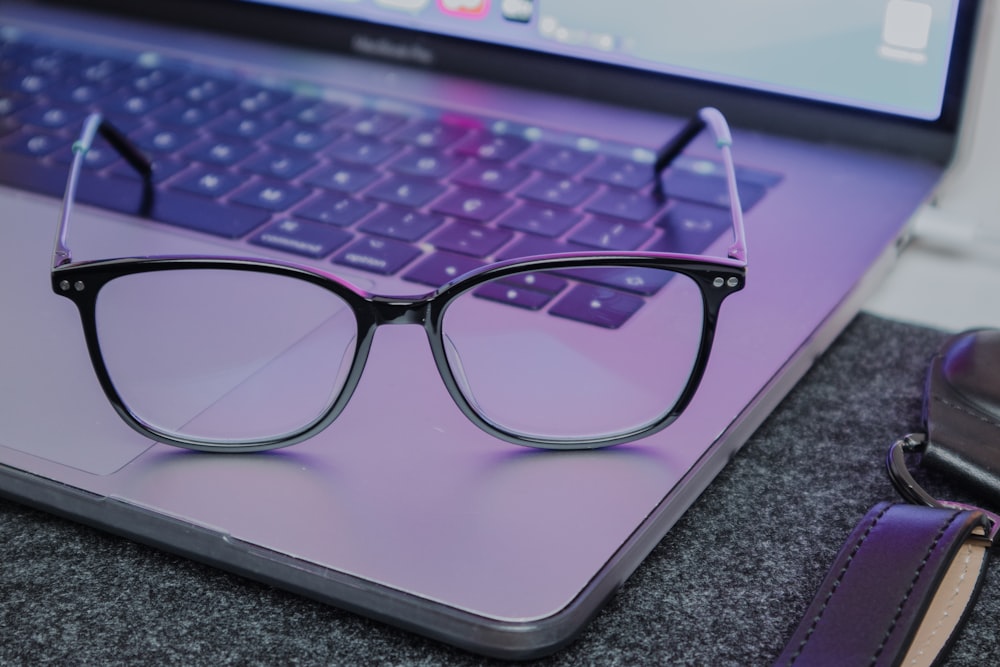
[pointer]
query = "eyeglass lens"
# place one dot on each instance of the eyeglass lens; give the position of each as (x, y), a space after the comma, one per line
(224, 356)
(229, 356)
(540, 376)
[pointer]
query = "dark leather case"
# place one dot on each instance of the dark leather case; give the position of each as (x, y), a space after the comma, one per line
(962, 412)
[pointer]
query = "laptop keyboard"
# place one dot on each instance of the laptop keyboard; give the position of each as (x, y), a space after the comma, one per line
(366, 184)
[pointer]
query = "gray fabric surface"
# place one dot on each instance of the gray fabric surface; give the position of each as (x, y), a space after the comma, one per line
(726, 587)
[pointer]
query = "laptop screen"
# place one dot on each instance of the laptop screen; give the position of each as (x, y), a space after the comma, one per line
(888, 56)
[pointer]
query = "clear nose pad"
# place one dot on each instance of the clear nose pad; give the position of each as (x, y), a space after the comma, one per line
(458, 372)
(344, 368)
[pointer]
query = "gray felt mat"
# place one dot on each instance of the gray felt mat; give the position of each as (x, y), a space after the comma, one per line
(726, 587)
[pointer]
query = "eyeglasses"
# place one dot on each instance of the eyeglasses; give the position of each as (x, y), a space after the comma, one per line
(231, 354)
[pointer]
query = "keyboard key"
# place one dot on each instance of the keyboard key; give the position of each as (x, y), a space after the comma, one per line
(343, 177)
(621, 172)
(221, 152)
(141, 81)
(558, 191)
(690, 228)
(406, 191)
(133, 106)
(254, 100)
(597, 305)
(236, 126)
(383, 256)
(335, 209)
(174, 207)
(710, 189)
(310, 239)
(369, 122)
(427, 163)
(194, 213)
(442, 267)
(513, 296)
(310, 111)
(637, 280)
(401, 224)
(9, 125)
(605, 234)
(534, 246)
(46, 61)
(489, 146)
(209, 182)
(626, 204)
(163, 168)
(431, 134)
(302, 139)
(164, 140)
(362, 150)
(97, 69)
(715, 167)
(79, 94)
(98, 157)
(180, 115)
(491, 176)
(558, 159)
(284, 165)
(51, 117)
(29, 84)
(26, 171)
(479, 205)
(271, 195)
(11, 103)
(198, 91)
(539, 282)
(37, 144)
(539, 219)
(470, 239)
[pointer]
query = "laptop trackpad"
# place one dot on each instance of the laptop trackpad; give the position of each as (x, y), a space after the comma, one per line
(58, 411)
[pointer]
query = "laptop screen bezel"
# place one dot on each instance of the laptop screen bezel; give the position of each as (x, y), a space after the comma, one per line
(765, 111)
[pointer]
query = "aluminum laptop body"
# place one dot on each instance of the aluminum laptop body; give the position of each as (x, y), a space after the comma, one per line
(402, 509)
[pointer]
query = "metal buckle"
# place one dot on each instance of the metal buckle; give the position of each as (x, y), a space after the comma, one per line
(899, 474)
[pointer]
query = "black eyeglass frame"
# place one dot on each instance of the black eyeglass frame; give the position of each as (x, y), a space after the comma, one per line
(81, 282)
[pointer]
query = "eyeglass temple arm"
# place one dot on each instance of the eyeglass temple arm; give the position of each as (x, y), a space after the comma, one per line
(716, 122)
(93, 125)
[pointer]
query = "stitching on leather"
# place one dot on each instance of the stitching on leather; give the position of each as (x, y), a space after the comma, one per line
(913, 583)
(835, 585)
(963, 409)
(843, 572)
(946, 612)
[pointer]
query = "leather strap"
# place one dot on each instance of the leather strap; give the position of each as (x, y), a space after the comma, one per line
(898, 591)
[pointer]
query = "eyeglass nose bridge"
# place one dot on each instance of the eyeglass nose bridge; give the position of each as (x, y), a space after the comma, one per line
(402, 310)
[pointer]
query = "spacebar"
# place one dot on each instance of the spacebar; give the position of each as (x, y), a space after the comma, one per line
(174, 208)
(28, 173)
(126, 196)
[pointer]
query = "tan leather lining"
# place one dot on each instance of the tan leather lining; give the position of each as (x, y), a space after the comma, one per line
(949, 605)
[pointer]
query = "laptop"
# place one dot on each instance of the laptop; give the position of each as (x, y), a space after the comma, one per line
(844, 118)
